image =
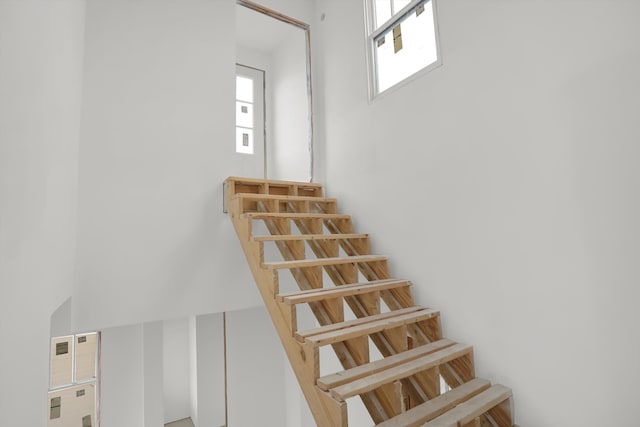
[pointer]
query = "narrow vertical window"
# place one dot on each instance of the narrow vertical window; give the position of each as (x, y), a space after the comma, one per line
(244, 115)
(402, 40)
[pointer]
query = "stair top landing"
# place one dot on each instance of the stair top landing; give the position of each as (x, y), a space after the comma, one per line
(235, 185)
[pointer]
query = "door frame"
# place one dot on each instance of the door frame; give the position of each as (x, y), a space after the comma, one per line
(307, 32)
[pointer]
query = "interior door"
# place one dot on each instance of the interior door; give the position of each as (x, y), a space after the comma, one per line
(250, 117)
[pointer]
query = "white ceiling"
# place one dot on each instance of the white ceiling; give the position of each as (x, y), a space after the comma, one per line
(260, 32)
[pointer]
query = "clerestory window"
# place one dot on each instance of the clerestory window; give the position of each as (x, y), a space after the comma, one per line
(402, 41)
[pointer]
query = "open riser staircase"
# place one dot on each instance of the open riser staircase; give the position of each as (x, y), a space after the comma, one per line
(418, 377)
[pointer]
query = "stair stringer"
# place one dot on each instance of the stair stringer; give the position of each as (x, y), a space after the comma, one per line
(377, 402)
(326, 411)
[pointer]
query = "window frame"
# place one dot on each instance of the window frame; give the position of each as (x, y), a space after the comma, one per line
(76, 384)
(372, 33)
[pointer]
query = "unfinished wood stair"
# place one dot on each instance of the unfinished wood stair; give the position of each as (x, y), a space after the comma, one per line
(392, 352)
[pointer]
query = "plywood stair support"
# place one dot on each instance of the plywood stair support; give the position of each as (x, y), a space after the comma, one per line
(334, 271)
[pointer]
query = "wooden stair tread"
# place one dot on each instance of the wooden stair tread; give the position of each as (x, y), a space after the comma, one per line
(416, 417)
(302, 263)
(284, 197)
(399, 372)
(302, 335)
(292, 215)
(467, 411)
(334, 380)
(341, 291)
(371, 324)
(294, 237)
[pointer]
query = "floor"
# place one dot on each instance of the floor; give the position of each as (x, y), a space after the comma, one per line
(180, 423)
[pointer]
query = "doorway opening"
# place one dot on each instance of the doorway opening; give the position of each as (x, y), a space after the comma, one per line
(279, 46)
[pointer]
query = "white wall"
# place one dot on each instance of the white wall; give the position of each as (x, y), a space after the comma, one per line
(301, 10)
(504, 185)
(123, 377)
(253, 58)
(61, 320)
(210, 363)
(176, 369)
(132, 376)
(289, 154)
(40, 93)
(153, 362)
(157, 143)
(255, 370)
(297, 410)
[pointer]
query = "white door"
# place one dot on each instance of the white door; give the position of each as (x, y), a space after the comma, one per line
(250, 134)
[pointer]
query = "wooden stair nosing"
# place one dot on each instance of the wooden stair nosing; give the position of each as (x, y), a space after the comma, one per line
(295, 237)
(466, 411)
(277, 183)
(292, 215)
(339, 378)
(370, 327)
(284, 197)
(427, 411)
(341, 291)
(302, 335)
(318, 262)
(399, 372)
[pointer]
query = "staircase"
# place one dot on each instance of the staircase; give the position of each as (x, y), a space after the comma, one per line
(392, 352)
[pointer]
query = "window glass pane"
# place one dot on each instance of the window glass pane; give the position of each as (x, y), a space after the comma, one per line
(55, 408)
(244, 114)
(383, 11)
(62, 348)
(244, 89)
(399, 4)
(61, 363)
(244, 140)
(406, 48)
(86, 351)
(54, 413)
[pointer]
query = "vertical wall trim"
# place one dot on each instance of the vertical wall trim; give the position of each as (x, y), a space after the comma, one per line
(98, 392)
(264, 122)
(224, 340)
(310, 108)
